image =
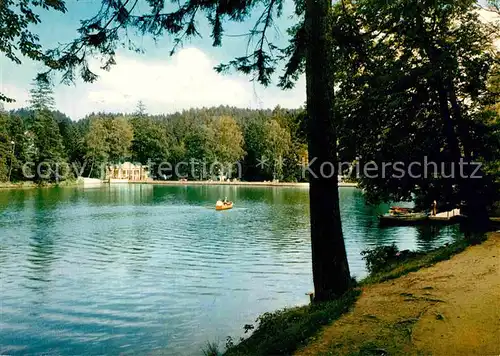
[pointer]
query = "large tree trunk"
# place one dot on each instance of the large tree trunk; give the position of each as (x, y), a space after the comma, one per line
(438, 83)
(448, 124)
(452, 155)
(472, 190)
(330, 267)
(457, 115)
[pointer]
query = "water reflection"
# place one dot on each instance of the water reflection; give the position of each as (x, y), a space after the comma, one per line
(136, 194)
(132, 268)
(41, 255)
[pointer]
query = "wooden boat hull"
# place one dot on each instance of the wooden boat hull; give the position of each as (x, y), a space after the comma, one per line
(224, 207)
(451, 220)
(402, 220)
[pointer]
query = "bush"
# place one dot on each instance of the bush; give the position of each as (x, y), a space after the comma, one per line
(495, 209)
(385, 258)
(380, 258)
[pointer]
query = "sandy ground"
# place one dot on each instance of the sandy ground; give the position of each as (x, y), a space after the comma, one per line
(452, 308)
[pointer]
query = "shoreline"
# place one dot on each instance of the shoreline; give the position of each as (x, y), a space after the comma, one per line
(450, 307)
(424, 295)
(31, 185)
(257, 184)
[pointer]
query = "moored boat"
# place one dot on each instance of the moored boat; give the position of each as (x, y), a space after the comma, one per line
(400, 210)
(402, 219)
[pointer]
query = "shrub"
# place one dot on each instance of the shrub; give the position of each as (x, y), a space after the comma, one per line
(380, 258)
(386, 258)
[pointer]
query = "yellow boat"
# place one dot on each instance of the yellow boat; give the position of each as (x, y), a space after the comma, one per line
(223, 206)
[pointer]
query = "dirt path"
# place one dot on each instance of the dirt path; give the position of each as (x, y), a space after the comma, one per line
(452, 308)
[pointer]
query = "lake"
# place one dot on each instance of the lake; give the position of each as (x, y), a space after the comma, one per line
(155, 269)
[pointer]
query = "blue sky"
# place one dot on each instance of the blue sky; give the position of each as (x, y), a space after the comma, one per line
(165, 84)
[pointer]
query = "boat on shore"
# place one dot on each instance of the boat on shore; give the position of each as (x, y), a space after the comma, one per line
(220, 205)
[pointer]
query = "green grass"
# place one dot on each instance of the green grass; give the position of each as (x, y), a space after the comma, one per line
(284, 331)
(43, 184)
(17, 185)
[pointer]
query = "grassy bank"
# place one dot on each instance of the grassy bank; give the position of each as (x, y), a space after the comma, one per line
(285, 331)
(31, 185)
(415, 261)
(449, 308)
(17, 185)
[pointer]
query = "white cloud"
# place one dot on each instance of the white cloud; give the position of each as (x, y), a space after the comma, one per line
(183, 81)
(21, 96)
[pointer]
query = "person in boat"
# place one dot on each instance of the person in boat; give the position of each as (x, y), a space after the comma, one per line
(225, 201)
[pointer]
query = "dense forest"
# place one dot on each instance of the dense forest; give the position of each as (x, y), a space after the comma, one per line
(198, 137)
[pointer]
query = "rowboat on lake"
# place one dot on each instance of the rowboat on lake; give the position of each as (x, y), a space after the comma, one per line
(220, 205)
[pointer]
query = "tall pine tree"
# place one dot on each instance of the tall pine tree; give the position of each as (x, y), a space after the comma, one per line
(49, 154)
(5, 148)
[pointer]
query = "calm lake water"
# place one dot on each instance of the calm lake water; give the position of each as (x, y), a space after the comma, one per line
(155, 269)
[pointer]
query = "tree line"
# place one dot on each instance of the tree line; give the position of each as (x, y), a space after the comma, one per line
(267, 144)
